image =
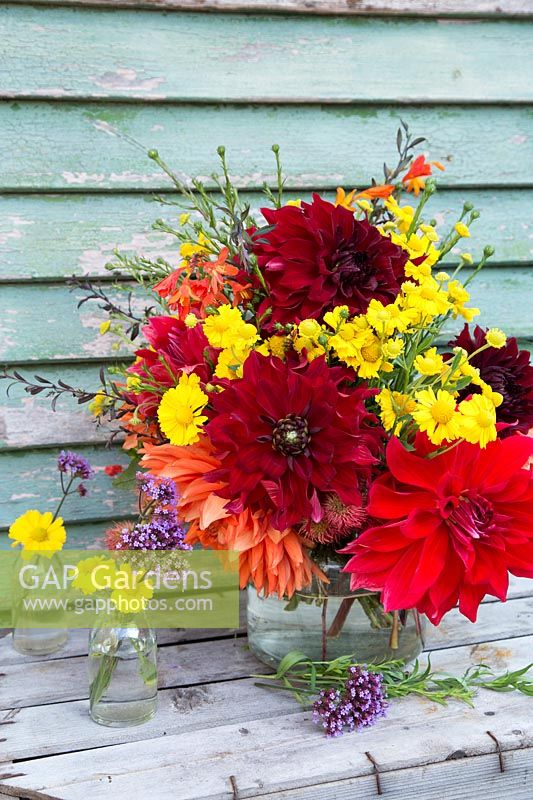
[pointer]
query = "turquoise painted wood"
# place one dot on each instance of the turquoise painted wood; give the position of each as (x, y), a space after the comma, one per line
(73, 81)
(27, 421)
(32, 482)
(71, 146)
(260, 58)
(53, 236)
(499, 9)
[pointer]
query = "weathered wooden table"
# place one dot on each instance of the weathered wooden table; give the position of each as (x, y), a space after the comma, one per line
(217, 735)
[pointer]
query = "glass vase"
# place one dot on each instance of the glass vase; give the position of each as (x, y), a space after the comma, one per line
(122, 676)
(328, 620)
(39, 641)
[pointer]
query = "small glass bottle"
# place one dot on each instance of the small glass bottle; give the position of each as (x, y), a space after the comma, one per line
(39, 641)
(122, 676)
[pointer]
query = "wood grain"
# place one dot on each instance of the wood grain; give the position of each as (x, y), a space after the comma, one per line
(73, 53)
(58, 235)
(198, 663)
(29, 479)
(430, 8)
(321, 146)
(200, 764)
(41, 323)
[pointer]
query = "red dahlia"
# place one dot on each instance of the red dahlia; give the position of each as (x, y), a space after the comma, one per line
(175, 347)
(319, 256)
(283, 434)
(456, 525)
(508, 371)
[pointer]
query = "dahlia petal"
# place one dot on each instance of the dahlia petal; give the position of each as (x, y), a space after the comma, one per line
(386, 502)
(410, 468)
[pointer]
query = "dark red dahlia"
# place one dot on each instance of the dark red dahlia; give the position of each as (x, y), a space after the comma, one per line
(508, 371)
(319, 256)
(285, 433)
(176, 348)
(453, 527)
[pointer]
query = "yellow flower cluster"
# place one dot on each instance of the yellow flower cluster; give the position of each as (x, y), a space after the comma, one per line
(180, 411)
(434, 409)
(228, 330)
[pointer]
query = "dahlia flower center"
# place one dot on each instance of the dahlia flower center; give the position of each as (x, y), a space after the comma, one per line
(473, 517)
(291, 435)
(441, 412)
(371, 352)
(352, 268)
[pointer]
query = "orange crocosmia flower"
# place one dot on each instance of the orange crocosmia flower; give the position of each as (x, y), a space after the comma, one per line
(372, 193)
(419, 169)
(200, 284)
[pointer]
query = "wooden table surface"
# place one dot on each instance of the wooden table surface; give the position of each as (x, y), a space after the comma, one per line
(216, 735)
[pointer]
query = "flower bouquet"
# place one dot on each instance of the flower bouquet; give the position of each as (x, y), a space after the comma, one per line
(304, 381)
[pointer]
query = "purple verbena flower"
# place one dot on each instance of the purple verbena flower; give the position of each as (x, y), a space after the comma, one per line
(163, 490)
(162, 532)
(76, 465)
(360, 704)
(82, 490)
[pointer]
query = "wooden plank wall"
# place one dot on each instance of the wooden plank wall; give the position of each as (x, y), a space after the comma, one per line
(327, 79)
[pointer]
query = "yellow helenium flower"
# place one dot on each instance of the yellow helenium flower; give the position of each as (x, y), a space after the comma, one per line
(403, 215)
(104, 326)
(386, 319)
(369, 359)
(94, 573)
(309, 328)
(312, 348)
(98, 405)
(394, 405)
(230, 361)
(428, 298)
(296, 203)
(466, 258)
(278, 345)
(430, 362)
(180, 411)
(478, 420)
(437, 416)
(227, 328)
(191, 320)
(184, 218)
(496, 398)
(462, 230)
(36, 531)
(496, 338)
(392, 348)
(337, 317)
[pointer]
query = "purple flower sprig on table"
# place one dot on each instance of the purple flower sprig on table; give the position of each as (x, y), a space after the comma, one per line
(358, 705)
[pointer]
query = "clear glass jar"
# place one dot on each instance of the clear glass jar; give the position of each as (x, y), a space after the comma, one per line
(328, 621)
(39, 641)
(122, 676)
